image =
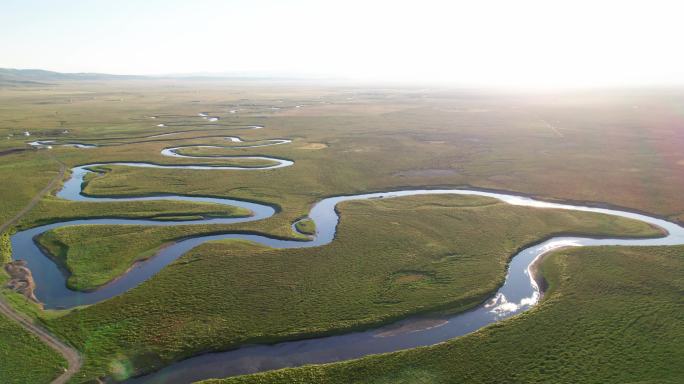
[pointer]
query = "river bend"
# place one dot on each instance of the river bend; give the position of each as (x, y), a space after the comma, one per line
(518, 293)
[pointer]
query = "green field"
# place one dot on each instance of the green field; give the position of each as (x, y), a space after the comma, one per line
(52, 209)
(105, 252)
(17, 189)
(454, 251)
(24, 358)
(391, 258)
(350, 146)
(611, 315)
(306, 226)
(5, 248)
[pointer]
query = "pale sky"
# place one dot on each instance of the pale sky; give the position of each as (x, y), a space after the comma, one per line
(488, 42)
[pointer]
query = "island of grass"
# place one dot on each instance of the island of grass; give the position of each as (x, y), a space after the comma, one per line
(391, 258)
(382, 140)
(101, 255)
(52, 209)
(306, 226)
(610, 315)
(201, 151)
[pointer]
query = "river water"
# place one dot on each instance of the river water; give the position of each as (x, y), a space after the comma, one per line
(518, 293)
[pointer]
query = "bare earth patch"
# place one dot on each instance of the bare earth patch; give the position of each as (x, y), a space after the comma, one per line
(409, 278)
(21, 279)
(501, 178)
(314, 146)
(426, 172)
(344, 109)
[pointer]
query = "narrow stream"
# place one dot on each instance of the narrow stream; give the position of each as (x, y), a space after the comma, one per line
(518, 293)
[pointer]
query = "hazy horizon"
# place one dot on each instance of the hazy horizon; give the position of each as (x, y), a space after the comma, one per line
(488, 43)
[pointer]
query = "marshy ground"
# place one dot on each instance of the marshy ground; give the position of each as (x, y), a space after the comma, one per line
(391, 258)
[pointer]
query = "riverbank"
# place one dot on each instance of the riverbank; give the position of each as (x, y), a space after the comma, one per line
(607, 308)
(197, 269)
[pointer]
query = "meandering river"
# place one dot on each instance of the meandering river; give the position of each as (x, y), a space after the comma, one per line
(518, 293)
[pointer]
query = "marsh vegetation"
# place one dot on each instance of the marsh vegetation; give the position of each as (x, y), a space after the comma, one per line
(610, 315)
(391, 258)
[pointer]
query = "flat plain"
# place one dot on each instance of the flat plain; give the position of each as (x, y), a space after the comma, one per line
(390, 258)
(611, 315)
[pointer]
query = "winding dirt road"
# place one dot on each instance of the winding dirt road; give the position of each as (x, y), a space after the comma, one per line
(70, 354)
(36, 198)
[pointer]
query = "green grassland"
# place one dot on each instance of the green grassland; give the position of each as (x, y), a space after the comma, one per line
(306, 226)
(105, 252)
(95, 255)
(52, 209)
(23, 175)
(217, 152)
(431, 157)
(24, 358)
(5, 248)
(612, 315)
(617, 147)
(444, 138)
(224, 294)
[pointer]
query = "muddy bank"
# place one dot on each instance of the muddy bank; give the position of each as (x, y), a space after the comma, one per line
(21, 279)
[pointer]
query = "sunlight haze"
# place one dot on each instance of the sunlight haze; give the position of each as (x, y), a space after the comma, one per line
(534, 43)
(326, 192)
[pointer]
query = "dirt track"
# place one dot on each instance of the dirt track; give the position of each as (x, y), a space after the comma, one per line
(71, 355)
(35, 200)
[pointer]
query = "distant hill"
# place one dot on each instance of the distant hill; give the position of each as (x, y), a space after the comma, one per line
(16, 77)
(39, 77)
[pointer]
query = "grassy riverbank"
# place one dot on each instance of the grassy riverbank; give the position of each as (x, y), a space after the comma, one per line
(52, 209)
(95, 255)
(24, 358)
(306, 226)
(612, 315)
(344, 146)
(5, 248)
(220, 152)
(23, 175)
(454, 250)
(619, 147)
